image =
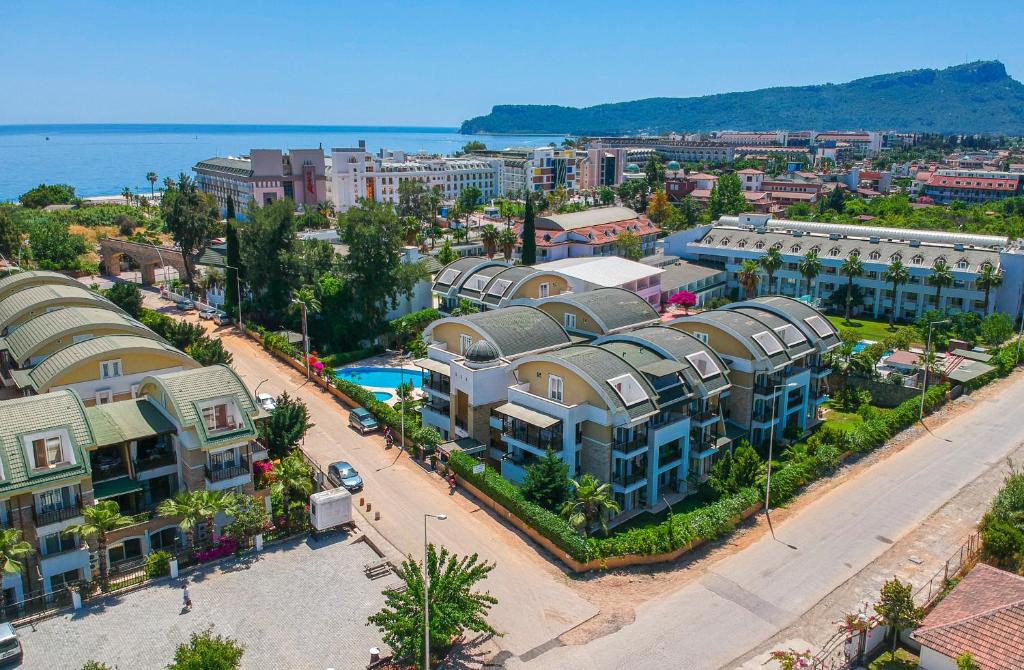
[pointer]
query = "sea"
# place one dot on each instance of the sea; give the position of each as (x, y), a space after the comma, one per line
(103, 159)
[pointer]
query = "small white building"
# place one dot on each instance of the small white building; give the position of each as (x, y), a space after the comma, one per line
(587, 273)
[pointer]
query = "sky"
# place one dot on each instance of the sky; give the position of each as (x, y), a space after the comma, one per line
(438, 62)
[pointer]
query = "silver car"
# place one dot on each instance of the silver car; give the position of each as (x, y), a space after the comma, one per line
(10, 645)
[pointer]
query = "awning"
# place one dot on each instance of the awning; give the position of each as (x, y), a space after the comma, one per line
(968, 371)
(662, 367)
(466, 445)
(116, 422)
(528, 415)
(434, 366)
(115, 487)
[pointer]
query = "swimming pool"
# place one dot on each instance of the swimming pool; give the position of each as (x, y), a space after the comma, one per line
(861, 346)
(383, 378)
(383, 396)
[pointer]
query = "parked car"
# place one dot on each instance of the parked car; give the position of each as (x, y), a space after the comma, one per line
(222, 319)
(10, 645)
(185, 305)
(266, 401)
(362, 420)
(208, 313)
(343, 474)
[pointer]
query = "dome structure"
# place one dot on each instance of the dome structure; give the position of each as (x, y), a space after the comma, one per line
(632, 167)
(482, 351)
(672, 165)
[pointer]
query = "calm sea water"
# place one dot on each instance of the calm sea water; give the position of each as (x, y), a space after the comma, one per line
(103, 159)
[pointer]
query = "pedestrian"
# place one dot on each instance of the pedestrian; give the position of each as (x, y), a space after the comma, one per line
(451, 482)
(186, 597)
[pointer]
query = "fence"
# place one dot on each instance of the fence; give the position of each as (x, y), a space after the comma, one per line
(956, 565)
(36, 605)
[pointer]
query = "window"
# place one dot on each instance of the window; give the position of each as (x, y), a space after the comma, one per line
(64, 579)
(795, 249)
(555, 388)
(790, 335)
(56, 543)
(917, 260)
(875, 255)
(131, 548)
(629, 389)
(48, 451)
(104, 396)
(110, 369)
(449, 276)
(570, 321)
(499, 287)
(759, 245)
(165, 539)
(703, 337)
(768, 342)
(55, 499)
(218, 417)
(704, 364)
(741, 244)
(834, 252)
(820, 325)
(465, 342)
(962, 264)
(544, 290)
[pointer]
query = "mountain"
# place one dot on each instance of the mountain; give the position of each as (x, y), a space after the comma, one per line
(977, 97)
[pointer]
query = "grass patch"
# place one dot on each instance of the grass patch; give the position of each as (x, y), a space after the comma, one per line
(840, 419)
(866, 329)
(702, 498)
(902, 660)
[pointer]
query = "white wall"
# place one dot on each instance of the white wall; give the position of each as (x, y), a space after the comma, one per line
(933, 660)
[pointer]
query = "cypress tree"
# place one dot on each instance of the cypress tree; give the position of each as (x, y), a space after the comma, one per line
(529, 255)
(230, 215)
(233, 259)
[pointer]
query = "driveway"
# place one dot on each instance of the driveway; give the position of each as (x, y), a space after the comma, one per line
(297, 605)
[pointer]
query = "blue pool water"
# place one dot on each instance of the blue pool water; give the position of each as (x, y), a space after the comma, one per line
(860, 346)
(386, 378)
(383, 396)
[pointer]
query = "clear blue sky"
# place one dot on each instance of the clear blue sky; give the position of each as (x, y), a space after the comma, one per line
(439, 62)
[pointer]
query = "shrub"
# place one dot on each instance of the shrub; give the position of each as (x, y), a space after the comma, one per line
(158, 564)
(1001, 541)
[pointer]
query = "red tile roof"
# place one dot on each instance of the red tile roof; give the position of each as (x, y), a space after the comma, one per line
(987, 183)
(984, 615)
(603, 233)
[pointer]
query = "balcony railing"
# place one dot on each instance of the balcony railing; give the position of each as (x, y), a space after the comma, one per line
(460, 423)
(46, 517)
(630, 478)
(534, 439)
(155, 459)
(662, 420)
(102, 471)
(666, 457)
(222, 473)
(443, 385)
(765, 389)
(705, 415)
(629, 446)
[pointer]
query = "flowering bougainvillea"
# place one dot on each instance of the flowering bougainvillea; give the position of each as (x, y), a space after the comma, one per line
(791, 659)
(684, 299)
(222, 547)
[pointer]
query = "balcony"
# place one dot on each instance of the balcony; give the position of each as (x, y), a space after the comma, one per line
(669, 457)
(108, 463)
(46, 517)
(438, 384)
(704, 417)
(534, 437)
(821, 370)
(630, 448)
(153, 460)
(227, 471)
(626, 481)
(767, 390)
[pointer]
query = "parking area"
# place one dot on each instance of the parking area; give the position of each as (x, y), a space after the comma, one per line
(297, 605)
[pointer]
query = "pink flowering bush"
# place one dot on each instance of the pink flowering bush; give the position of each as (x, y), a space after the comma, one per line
(792, 659)
(684, 299)
(222, 547)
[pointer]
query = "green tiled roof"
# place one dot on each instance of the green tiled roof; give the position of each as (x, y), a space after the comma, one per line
(212, 256)
(42, 374)
(15, 282)
(601, 365)
(187, 388)
(797, 312)
(117, 422)
(32, 414)
(677, 345)
(775, 322)
(19, 302)
(112, 488)
(518, 329)
(35, 333)
(743, 327)
(612, 308)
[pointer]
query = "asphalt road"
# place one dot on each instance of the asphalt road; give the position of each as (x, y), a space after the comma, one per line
(751, 595)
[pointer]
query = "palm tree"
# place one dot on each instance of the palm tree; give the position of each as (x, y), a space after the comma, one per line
(852, 267)
(592, 502)
(126, 193)
(940, 277)
(214, 279)
(292, 478)
(749, 276)
(307, 296)
(189, 508)
(896, 274)
(100, 519)
(151, 178)
(771, 262)
(508, 240)
(213, 503)
(12, 549)
(489, 236)
(988, 279)
(810, 268)
(325, 209)
(507, 209)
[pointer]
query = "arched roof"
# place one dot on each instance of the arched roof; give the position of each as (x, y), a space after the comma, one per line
(599, 367)
(684, 348)
(514, 330)
(611, 308)
(814, 325)
(21, 280)
(15, 306)
(37, 332)
(764, 346)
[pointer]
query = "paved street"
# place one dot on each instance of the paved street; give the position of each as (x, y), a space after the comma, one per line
(295, 606)
(751, 595)
(535, 602)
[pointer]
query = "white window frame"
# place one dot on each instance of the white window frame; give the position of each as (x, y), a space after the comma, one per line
(231, 415)
(135, 390)
(703, 337)
(570, 321)
(104, 396)
(67, 452)
(544, 290)
(465, 342)
(115, 365)
(556, 388)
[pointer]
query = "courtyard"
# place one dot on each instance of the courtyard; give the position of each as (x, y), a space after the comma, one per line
(301, 604)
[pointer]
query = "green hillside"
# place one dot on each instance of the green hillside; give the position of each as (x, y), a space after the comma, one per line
(977, 97)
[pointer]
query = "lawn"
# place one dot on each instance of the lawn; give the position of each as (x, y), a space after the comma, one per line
(866, 329)
(904, 660)
(839, 419)
(690, 503)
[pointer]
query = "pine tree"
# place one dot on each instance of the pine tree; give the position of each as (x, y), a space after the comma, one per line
(234, 259)
(547, 482)
(529, 256)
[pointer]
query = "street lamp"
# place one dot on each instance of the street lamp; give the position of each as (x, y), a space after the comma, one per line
(771, 446)
(238, 290)
(426, 591)
(401, 389)
(927, 347)
(305, 336)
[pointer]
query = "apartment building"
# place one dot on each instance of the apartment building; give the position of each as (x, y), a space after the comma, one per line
(194, 430)
(489, 284)
(602, 311)
(774, 348)
(541, 170)
(26, 303)
(263, 176)
(26, 279)
(674, 148)
(602, 166)
(734, 239)
(972, 186)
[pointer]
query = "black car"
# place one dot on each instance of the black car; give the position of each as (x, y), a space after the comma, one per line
(343, 474)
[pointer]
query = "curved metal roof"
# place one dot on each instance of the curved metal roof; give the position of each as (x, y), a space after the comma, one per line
(679, 345)
(798, 345)
(445, 280)
(35, 333)
(744, 328)
(799, 314)
(517, 329)
(600, 366)
(14, 306)
(611, 307)
(11, 283)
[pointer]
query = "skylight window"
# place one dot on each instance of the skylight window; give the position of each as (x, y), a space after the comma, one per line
(477, 283)
(499, 287)
(790, 335)
(704, 364)
(629, 389)
(767, 342)
(819, 325)
(449, 276)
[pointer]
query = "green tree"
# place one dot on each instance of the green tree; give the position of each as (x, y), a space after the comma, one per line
(606, 196)
(292, 479)
(770, 262)
(737, 470)
(208, 351)
(234, 260)
(468, 199)
(896, 274)
(591, 503)
(286, 427)
(188, 508)
(727, 197)
(206, 651)
(99, 521)
(189, 219)
(897, 609)
(13, 550)
(465, 307)
(834, 201)
(988, 279)
(940, 278)
(659, 210)
(996, 328)
(529, 252)
(10, 235)
(689, 211)
(654, 171)
(454, 604)
(45, 195)
(489, 235)
(267, 245)
(128, 297)
(213, 503)
(126, 193)
(633, 194)
(629, 246)
(810, 268)
(852, 267)
(54, 246)
(547, 482)
(965, 661)
(749, 277)
(151, 178)
(473, 145)
(446, 254)
(1002, 542)
(248, 518)
(508, 240)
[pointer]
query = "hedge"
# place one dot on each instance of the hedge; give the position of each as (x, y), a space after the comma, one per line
(346, 357)
(424, 436)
